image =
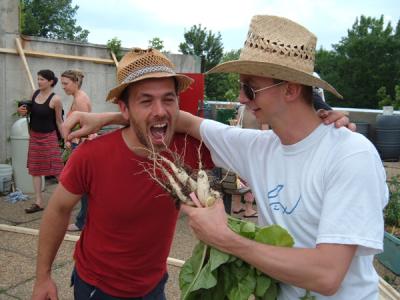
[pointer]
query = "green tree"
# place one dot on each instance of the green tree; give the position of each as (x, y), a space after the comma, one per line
(53, 19)
(224, 86)
(363, 62)
(205, 44)
(114, 45)
(156, 43)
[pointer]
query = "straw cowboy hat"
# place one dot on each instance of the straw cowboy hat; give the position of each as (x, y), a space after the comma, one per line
(139, 64)
(278, 48)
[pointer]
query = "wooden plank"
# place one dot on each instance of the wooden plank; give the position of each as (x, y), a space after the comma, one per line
(61, 56)
(22, 55)
(71, 238)
(386, 291)
(114, 58)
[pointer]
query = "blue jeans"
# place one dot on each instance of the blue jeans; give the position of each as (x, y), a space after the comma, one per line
(81, 217)
(85, 291)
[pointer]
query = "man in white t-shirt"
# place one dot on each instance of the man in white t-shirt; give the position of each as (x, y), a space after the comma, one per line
(326, 186)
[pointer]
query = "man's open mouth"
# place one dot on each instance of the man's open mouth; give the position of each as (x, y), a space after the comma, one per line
(158, 132)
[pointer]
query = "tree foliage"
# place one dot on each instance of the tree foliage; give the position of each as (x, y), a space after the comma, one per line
(53, 19)
(208, 46)
(363, 62)
(205, 44)
(114, 45)
(224, 86)
(156, 43)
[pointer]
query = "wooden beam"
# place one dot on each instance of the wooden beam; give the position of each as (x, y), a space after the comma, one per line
(61, 56)
(114, 58)
(71, 238)
(22, 55)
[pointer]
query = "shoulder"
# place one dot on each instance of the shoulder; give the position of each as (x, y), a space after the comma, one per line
(56, 100)
(101, 145)
(345, 143)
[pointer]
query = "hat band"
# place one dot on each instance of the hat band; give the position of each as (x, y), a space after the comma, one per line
(153, 69)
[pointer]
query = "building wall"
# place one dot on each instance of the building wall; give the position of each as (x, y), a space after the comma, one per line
(14, 82)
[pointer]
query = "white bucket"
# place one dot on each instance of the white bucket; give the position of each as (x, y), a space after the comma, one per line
(5, 178)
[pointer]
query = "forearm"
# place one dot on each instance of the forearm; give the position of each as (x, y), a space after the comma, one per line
(52, 230)
(188, 123)
(320, 269)
(113, 118)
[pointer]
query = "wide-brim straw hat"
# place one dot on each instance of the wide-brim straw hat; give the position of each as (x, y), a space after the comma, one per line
(277, 48)
(139, 64)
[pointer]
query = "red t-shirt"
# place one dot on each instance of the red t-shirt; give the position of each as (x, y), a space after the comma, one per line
(131, 220)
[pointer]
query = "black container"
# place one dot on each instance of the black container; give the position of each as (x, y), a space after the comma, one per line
(363, 128)
(387, 137)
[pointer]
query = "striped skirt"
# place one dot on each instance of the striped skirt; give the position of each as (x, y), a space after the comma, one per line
(44, 154)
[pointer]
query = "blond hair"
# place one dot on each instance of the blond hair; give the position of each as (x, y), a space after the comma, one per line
(74, 75)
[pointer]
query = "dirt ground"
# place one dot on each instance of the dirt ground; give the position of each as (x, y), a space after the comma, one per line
(387, 275)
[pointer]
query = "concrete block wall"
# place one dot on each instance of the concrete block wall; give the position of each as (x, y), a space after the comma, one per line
(14, 82)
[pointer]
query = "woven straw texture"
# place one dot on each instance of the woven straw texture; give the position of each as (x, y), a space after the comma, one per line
(140, 64)
(278, 48)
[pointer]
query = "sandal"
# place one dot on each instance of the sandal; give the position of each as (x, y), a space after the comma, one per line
(34, 208)
(238, 211)
(253, 215)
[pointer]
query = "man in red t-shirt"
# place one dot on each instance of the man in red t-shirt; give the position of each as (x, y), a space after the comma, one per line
(123, 249)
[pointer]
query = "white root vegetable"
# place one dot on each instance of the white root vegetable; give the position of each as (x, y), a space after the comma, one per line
(181, 175)
(175, 186)
(203, 187)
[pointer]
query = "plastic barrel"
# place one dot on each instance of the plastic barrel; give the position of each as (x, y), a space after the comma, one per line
(362, 127)
(387, 138)
(5, 178)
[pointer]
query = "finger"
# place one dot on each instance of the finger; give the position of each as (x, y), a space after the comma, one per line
(77, 134)
(343, 121)
(322, 113)
(187, 209)
(352, 127)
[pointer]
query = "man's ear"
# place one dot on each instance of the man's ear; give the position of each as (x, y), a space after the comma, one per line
(123, 109)
(293, 91)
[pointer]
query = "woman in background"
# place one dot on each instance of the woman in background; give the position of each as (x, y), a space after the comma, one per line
(44, 153)
(71, 81)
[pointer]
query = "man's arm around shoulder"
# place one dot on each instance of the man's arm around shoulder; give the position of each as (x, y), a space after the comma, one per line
(188, 123)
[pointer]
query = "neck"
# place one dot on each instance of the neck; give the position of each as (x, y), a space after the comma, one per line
(46, 91)
(293, 128)
(133, 143)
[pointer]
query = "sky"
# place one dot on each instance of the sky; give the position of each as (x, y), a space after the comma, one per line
(136, 22)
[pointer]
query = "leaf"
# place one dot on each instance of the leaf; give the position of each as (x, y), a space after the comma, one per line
(205, 280)
(217, 258)
(248, 229)
(262, 284)
(272, 292)
(274, 235)
(191, 267)
(244, 288)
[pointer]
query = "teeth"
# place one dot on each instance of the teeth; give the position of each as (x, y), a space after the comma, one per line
(160, 125)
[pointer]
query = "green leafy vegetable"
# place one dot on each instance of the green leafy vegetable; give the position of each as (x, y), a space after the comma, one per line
(212, 274)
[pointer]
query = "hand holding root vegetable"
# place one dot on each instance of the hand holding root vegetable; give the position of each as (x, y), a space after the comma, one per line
(210, 273)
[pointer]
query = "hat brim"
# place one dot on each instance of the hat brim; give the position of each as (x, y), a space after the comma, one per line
(271, 70)
(183, 83)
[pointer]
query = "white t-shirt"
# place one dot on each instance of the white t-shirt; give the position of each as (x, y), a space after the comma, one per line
(328, 188)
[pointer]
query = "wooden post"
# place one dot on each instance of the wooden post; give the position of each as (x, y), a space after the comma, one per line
(114, 58)
(22, 55)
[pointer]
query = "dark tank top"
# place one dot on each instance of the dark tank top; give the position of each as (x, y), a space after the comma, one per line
(42, 118)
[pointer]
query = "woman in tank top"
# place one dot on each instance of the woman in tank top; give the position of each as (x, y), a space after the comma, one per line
(44, 153)
(71, 81)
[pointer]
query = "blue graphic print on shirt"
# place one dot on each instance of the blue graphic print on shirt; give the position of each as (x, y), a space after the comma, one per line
(275, 203)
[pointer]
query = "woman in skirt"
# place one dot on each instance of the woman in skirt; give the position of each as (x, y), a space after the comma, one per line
(44, 153)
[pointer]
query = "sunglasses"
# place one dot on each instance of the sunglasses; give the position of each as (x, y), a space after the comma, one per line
(251, 93)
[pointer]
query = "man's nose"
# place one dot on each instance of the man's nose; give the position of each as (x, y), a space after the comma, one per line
(158, 108)
(242, 97)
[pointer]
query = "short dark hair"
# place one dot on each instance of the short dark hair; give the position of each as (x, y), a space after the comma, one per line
(124, 96)
(49, 75)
